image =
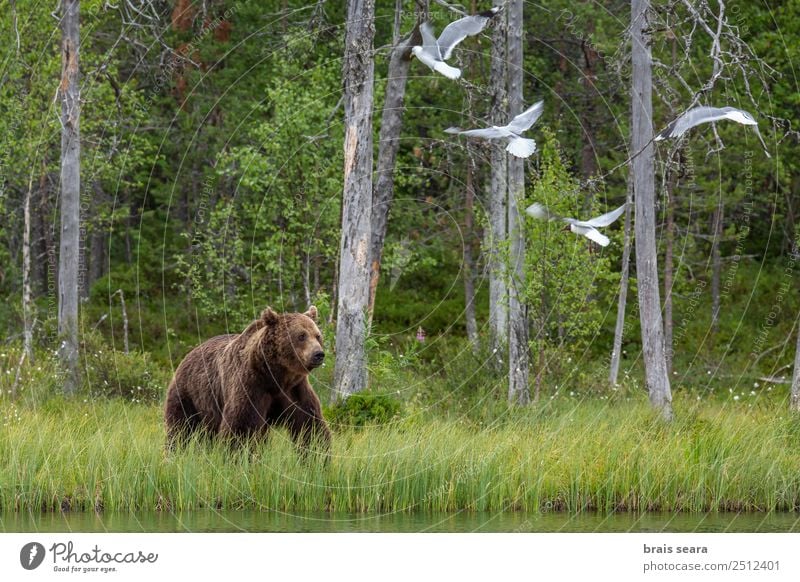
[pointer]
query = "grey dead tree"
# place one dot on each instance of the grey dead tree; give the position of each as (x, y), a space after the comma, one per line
(389, 140)
(27, 302)
(469, 255)
(619, 329)
(69, 250)
(643, 168)
(518, 352)
(687, 23)
(471, 250)
(350, 371)
(496, 233)
(669, 267)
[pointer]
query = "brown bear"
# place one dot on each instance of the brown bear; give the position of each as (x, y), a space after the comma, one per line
(240, 385)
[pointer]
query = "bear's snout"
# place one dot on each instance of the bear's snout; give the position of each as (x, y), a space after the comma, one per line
(317, 358)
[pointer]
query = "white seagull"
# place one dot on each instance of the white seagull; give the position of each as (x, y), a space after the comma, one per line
(587, 228)
(705, 114)
(434, 53)
(517, 145)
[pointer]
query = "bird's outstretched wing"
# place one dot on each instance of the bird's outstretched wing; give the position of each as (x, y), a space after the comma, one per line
(460, 29)
(486, 133)
(527, 118)
(669, 131)
(541, 212)
(607, 218)
(693, 117)
(429, 44)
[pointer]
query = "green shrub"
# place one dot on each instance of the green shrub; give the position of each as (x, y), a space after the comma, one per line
(363, 409)
(112, 373)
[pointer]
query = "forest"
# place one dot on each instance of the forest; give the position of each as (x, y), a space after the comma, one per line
(171, 168)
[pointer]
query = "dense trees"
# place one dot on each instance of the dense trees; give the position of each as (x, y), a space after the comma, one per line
(211, 179)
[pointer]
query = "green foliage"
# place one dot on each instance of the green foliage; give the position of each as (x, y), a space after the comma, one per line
(283, 222)
(568, 278)
(214, 179)
(363, 409)
(107, 372)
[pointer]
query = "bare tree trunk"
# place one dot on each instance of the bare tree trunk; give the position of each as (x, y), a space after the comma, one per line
(655, 362)
(27, 310)
(306, 276)
(129, 222)
(669, 237)
(518, 361)
(125, 344)
(39, 230)
(334, 290)
(389, 143)
(469, 258)
(589, 149)
(716, 265)
(498, 290)
(619, 330)
(350, 372)
(69, 253)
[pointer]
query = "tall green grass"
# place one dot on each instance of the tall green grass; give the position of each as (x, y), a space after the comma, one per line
(592, 455)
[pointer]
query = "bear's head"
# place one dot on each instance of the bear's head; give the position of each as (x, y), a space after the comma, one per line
(289, 340)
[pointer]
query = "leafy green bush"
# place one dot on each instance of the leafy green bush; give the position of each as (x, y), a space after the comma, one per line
(108, 372)
(363, 409)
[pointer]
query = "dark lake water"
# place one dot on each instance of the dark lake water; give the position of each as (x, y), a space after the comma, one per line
(266, 521)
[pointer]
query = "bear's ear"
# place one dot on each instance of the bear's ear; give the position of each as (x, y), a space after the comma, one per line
(312, 313)
(268, 316)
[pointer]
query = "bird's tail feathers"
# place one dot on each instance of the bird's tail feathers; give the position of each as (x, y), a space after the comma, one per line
(597, 236)
(521, 147)
(538, 211)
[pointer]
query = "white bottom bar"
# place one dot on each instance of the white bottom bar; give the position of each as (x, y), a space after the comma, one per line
(369, 557)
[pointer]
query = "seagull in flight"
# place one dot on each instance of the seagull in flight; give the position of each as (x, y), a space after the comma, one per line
(517, 145)
(705, 114)
(587, 228)
(434, 52)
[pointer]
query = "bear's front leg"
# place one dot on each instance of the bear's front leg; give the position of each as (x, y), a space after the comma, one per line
(306, 424)
(240, 420)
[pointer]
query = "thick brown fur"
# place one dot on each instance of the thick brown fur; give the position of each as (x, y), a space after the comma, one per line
(238, 386)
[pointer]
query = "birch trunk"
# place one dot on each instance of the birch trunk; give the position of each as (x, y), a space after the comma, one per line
(469, 259)
(619, 330)
(350, 372)
(498, 291)
(669, 244)
(391, 124)
(69, 252)
(518, 361)
(27, 311)
(716, 265)
(655, 362)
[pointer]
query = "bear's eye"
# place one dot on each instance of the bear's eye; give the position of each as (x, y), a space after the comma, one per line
(301, 337)
(319, 338)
